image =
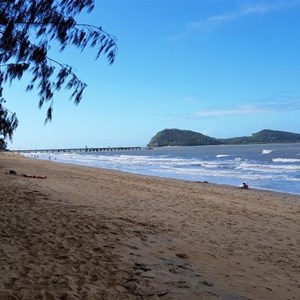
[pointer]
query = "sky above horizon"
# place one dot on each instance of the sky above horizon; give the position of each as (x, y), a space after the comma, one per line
(223, 68)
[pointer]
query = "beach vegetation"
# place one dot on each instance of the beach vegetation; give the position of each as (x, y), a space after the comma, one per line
(28, 28)
(178, 137)
(8, 123)
(265, 136)
(2, 145)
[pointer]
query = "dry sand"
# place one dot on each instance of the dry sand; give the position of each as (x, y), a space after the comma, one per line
(86, 233)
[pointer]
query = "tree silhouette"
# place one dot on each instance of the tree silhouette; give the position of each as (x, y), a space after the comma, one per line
(2, 145)
(8, 123)
(27, 28)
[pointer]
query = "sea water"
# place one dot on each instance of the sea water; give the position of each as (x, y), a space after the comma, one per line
(273, 167)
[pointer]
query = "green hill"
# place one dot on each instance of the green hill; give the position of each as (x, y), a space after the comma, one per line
(177, 137)
(265, 136)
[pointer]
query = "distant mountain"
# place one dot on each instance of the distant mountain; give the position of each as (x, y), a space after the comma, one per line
(177, 137)
(265, 136)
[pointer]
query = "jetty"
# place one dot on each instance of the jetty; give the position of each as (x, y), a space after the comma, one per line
(72, 150)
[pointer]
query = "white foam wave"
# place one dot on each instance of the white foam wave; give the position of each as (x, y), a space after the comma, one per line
(267, 168)
(229, 170)
(286, 160)
(266, 151)
(133, 161)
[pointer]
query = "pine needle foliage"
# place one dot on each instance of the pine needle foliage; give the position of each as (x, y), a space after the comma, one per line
(8, 122)
(27, 28)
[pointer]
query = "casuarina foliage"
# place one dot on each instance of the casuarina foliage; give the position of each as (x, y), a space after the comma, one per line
(27, 28)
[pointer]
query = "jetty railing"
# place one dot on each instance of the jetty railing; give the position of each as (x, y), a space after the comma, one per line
(86, 149)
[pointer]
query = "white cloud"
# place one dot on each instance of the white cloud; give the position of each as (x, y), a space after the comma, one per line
(206, 131)
(264, 7)
(252, 109)
(235, 111)
(245, 10)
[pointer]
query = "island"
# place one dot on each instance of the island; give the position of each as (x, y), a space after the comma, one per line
(179, 137)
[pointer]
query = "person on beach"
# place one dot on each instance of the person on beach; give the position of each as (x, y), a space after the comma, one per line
(244, 186)
(34, 176)
(12, 172)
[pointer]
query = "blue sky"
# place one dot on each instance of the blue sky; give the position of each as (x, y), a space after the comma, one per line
(220, 67)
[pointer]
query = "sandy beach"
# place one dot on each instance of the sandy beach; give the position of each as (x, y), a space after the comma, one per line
(87, 233)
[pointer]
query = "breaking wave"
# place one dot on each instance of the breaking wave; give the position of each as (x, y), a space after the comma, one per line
(265, 151)
(233, 166)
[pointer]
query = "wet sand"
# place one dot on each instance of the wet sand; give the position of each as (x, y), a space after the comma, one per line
(86, 233)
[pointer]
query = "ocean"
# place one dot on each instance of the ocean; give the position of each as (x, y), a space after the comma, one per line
(274, 167)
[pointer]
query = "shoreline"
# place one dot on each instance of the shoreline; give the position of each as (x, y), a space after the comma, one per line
(156, 176)
(124, 236)
(286, 184)
(164, 177)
